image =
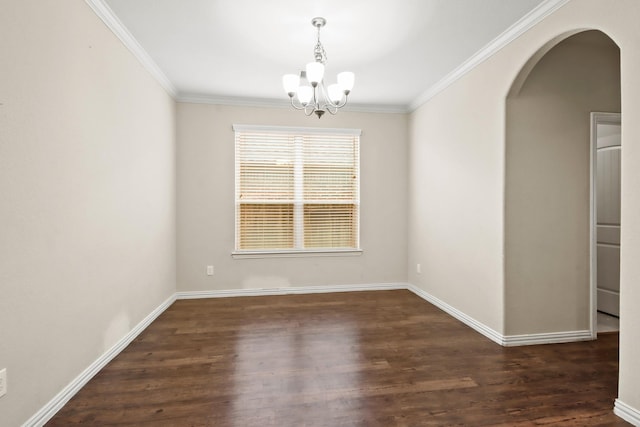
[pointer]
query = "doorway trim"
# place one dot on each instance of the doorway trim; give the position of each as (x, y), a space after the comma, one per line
(596, 119)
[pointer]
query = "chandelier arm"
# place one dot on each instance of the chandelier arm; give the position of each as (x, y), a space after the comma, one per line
(331, 109)
(330, 106)
(301, 107)
(308, 109)
(336, 107)
(343, 103)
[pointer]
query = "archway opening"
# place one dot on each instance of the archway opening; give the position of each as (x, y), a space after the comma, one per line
(548, 195)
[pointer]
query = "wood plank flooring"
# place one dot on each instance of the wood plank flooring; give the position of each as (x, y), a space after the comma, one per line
(383, 358)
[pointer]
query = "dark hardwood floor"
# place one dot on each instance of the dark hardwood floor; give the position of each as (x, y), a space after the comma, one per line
(384, 358)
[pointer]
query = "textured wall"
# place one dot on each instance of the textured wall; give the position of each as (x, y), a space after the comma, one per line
(87, 205)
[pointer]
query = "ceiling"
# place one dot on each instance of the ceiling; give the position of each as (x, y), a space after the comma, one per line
(236, 51)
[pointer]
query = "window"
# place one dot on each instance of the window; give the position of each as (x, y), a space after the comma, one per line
(297, 189)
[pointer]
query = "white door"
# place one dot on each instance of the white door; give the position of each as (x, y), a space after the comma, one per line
(608, 151)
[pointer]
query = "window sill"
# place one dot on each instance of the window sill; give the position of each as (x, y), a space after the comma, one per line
(295, 254)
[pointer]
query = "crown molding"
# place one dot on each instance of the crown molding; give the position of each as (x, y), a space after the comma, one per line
(377, 108)
(543, 10)
(105, 13)
(282, 103)
(194, 98)
(116, 26)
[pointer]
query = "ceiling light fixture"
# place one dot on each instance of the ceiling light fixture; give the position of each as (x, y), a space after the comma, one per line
(314, 97)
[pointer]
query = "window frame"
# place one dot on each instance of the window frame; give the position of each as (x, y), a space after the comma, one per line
(295, 252)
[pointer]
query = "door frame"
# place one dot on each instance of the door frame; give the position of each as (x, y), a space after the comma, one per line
(596, 119)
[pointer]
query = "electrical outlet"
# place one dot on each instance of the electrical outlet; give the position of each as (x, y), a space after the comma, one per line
(3, 382)
(418, 269)
(209, 270)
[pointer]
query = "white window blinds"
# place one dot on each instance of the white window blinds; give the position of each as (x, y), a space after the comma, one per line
(296, 189)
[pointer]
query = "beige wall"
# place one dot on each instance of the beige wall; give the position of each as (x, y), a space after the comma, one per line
(547, 201)
(206, 202)
(456, 230)
(455, 197)
(87, 205)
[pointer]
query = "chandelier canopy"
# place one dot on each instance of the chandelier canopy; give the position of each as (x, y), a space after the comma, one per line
(307, 90)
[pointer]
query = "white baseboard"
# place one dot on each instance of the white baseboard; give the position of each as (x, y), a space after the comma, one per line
(55, 404)
(503, 340)
(626, 412)
(287, 291)
(454, 312)
(547, 338)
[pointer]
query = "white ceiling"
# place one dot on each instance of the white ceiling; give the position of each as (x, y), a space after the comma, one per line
(236, 51)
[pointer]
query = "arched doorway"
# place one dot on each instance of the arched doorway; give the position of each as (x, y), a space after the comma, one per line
(547, 185)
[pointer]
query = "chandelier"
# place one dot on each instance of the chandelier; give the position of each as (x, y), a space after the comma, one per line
(307, 90)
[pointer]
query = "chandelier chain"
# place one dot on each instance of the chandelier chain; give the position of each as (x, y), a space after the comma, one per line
(318, 52)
